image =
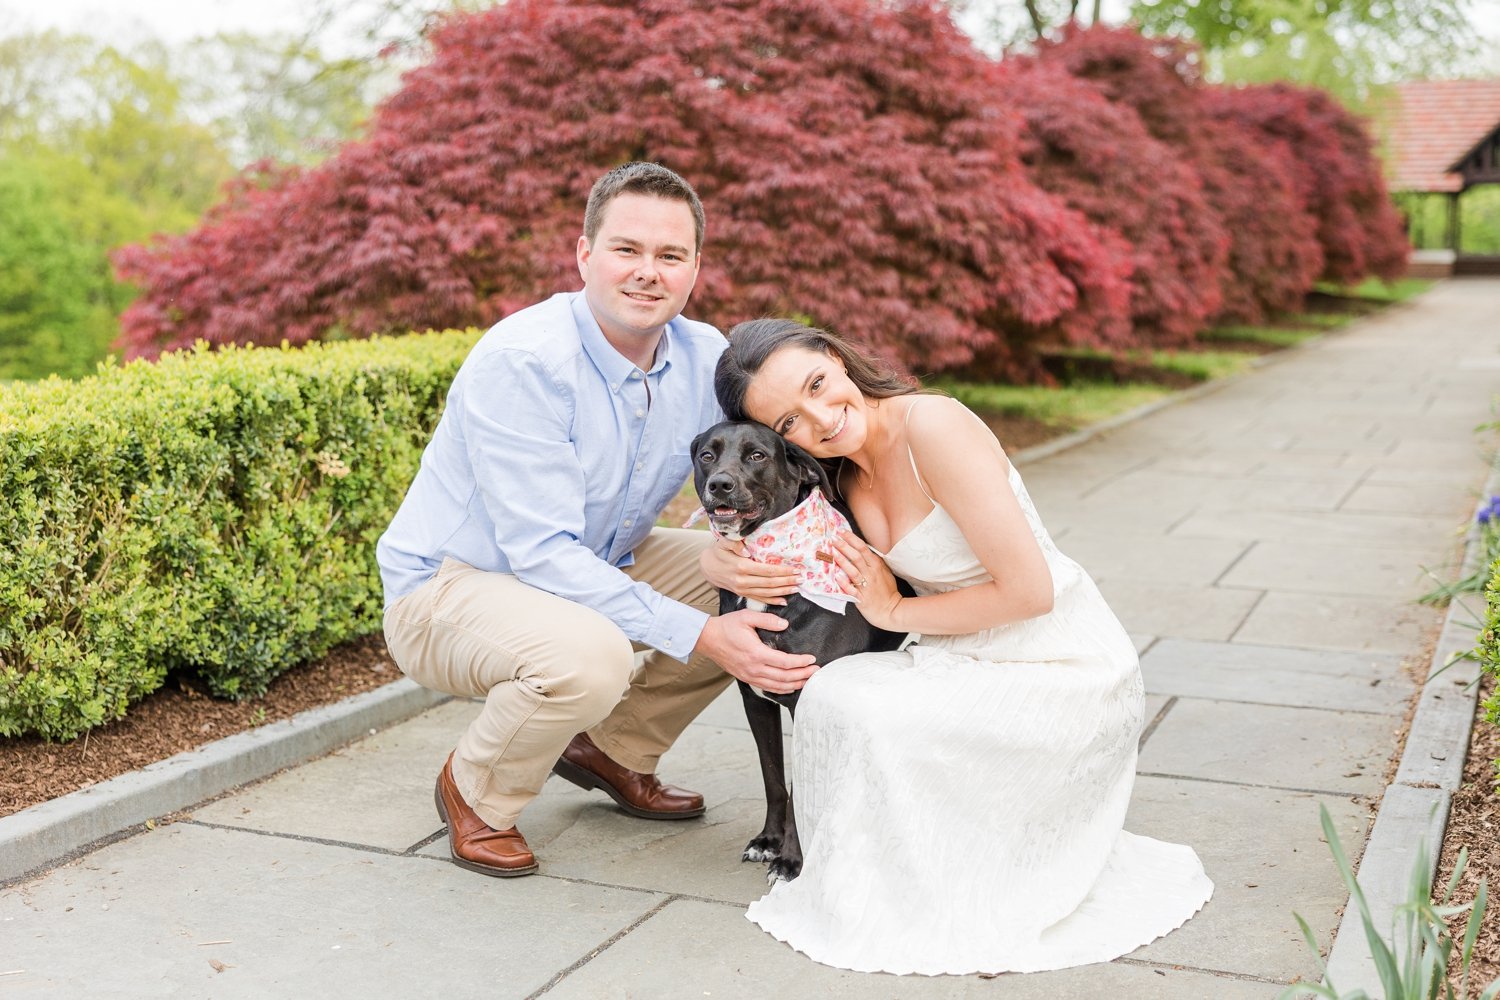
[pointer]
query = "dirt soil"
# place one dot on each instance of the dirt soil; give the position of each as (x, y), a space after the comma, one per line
(1474, 823)
(179, 717)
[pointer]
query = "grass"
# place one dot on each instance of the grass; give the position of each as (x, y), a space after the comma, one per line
(1275, 335)
(1375, 290)
(1066, 407)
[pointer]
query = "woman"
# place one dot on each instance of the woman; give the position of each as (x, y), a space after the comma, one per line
(960, 802)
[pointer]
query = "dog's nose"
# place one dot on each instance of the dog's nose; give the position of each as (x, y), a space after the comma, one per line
(720, 485)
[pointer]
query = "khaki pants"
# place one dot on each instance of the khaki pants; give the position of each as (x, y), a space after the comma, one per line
(549, 668)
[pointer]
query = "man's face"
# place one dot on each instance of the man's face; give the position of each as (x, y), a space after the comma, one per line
(641, 267)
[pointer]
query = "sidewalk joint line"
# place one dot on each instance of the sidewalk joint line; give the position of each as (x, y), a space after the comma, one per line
(305, 838)
(1285, 704)
(1244, 619)
(1338, 793)
(431, 838)
(596, 952)
(1364, 477)
(1170, 967)
(1254, 542)
(1156, 720)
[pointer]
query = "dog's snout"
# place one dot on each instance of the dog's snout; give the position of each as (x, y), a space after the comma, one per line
(720, 484)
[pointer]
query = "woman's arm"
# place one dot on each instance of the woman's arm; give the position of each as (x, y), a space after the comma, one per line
(966, 472)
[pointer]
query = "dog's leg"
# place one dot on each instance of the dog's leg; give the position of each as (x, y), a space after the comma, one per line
(788, 862)
(764, 717)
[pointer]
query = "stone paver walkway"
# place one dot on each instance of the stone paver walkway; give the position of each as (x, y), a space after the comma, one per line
(1264, 545)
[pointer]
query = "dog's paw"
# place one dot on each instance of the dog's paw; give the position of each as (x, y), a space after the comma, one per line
(783, 870)
(761, 849)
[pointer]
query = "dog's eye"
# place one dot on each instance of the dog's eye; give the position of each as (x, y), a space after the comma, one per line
(757, 456)
(706, 456)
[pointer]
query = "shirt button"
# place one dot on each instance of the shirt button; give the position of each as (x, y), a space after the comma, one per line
(640, 413)
(635, 374)
(627, 522)
(639, 466)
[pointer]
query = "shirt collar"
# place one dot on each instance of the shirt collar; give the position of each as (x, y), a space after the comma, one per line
(614, 366)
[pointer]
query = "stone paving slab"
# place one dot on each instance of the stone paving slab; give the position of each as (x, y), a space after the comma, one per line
(1170, 609)
(732, 959)
(1411, 498)
(1134, 556)
(376, 792)
(293, 918)
(1278, 675)
(1391, 571)
(1273, 746)
(1263, 849)
(1333, 622)
(1325, 528)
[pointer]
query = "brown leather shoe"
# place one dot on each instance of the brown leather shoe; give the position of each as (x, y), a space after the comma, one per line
(473, 844)
(586, 766)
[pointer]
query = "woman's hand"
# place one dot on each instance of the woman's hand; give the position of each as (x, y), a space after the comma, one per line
(870, 579)
(726, 566)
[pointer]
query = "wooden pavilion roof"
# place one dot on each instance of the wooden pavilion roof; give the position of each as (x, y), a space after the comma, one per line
(1434, 126)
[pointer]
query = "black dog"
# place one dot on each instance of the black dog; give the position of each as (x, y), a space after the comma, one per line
(746, 475)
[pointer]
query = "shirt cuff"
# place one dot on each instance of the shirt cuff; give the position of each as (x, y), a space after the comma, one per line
(676, 629)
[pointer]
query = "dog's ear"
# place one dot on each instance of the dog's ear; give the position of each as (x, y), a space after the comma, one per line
(697, 444)
(810, 471)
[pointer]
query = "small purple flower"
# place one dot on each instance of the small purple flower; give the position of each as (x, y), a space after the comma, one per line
(1490, 511)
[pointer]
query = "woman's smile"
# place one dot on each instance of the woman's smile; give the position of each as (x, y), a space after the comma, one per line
(839, 428)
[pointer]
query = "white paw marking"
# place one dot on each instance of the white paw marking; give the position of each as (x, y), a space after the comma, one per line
(758, 854)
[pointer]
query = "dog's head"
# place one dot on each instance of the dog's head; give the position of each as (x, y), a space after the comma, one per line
(746, 475)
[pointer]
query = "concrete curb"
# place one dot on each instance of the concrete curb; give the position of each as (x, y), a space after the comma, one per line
(1414, 808)
(48, 832)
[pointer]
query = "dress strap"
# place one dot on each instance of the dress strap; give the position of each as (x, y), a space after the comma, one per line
(906, 426)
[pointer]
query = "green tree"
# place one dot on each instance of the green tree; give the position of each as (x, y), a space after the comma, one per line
(1347, 47)
(57, 297)
(279, 97)
(100, 151)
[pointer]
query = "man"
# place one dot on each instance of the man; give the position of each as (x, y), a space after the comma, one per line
(523, 566)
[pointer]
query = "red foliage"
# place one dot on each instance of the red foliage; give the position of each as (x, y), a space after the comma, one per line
(1100, 159)
(1274, 255)
(851, 160)
(1274, 250)
(1332, 163)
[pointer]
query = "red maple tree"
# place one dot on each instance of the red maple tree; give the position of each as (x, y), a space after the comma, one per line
(854, 165)
(1099, 157)
(1328, 154)
(1331, 159)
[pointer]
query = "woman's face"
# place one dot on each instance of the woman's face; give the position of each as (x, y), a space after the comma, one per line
(806, 396)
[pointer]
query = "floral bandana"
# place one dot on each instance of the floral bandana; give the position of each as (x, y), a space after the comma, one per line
(802, 540)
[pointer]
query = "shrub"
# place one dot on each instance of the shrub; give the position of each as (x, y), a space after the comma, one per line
(1333, 164)
(1274, 254)
(852, 161)
(215, 513)
(1099, 158)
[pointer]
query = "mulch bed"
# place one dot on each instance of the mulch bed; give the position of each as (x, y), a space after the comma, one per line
(179, 717)
(1474, 823)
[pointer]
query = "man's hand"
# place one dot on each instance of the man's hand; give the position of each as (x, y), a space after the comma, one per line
(725, 565)
(730, 641)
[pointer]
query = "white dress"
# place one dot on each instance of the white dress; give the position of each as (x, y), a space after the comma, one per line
(960, 803)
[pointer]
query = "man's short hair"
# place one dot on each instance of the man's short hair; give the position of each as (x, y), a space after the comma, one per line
(641, 178)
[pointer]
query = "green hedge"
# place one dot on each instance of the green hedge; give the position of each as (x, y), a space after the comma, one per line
(215, 512)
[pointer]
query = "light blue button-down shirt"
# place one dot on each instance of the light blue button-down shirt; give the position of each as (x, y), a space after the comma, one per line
(552, 461)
